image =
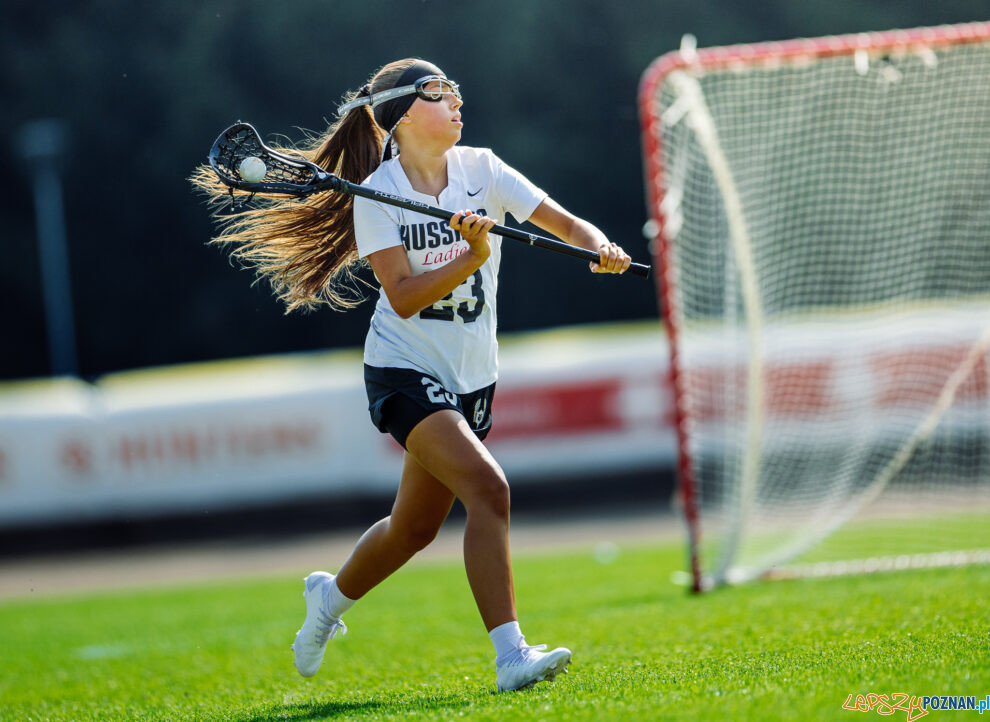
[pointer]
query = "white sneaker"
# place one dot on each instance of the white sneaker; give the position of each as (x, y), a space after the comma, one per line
(311, 639)
(530, 666)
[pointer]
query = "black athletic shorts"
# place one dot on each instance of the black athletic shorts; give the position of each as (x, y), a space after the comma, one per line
(398, 399)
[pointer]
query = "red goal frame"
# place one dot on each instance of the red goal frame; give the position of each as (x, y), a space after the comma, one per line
(728, 57)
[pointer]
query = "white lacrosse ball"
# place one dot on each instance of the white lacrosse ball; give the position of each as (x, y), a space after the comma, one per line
(252, 169)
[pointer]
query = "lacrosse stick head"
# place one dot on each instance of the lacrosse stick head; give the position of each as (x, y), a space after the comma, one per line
(283, 174)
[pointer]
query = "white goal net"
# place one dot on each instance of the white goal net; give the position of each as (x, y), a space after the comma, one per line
(821, 214)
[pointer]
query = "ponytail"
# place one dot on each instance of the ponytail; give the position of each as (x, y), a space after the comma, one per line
(305, 248)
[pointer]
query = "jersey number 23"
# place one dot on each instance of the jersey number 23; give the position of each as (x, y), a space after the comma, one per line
(444, 310)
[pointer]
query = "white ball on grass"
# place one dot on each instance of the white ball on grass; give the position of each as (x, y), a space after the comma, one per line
(252, 169)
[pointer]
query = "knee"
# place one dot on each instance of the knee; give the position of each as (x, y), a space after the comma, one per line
(414, 537)
(490, 493)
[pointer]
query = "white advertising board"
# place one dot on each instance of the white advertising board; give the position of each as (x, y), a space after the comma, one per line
(219, 436)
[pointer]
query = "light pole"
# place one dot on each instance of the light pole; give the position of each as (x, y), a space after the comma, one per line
(42, 144)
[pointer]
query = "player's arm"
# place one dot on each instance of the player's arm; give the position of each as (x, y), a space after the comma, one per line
(409, 294)
(551, 217)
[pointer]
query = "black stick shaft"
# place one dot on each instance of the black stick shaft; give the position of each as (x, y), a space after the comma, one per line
(339, 184)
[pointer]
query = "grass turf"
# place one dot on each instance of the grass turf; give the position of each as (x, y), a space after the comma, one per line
(643, 648)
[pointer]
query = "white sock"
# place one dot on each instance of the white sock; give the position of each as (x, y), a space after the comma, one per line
(336, 602)
(507, 639)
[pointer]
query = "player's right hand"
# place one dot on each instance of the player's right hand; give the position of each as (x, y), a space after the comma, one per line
(474, 229)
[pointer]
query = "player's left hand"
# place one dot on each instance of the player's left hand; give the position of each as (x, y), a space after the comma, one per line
(613, 260)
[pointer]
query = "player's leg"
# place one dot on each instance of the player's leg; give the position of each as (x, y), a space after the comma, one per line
(445, 446)
(421, 506)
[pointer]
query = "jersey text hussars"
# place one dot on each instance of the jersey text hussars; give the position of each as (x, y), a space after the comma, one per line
(418, 236)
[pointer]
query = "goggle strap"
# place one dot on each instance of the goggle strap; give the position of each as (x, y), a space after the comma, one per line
(376, 99)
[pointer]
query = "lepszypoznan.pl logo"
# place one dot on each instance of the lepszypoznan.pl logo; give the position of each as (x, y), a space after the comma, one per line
(916, 706)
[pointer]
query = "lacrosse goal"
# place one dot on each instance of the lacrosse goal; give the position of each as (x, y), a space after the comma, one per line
(820, 216)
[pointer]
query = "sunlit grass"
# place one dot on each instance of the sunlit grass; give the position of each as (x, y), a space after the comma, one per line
(643, 648)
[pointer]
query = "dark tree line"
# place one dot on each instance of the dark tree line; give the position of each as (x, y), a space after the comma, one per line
(145, 87)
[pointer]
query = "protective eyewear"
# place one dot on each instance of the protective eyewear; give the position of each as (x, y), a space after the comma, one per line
(432, 88)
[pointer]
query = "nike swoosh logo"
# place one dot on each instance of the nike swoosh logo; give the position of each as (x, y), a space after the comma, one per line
(472, 195)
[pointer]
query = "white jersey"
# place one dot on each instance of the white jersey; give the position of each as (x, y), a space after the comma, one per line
(453, 340)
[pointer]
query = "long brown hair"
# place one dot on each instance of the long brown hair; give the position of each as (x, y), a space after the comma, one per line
(306, 247)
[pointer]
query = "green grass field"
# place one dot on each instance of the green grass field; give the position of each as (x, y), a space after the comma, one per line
(643, 648)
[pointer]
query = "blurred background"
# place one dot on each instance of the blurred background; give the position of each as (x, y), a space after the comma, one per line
(108, 106)
(143, 89)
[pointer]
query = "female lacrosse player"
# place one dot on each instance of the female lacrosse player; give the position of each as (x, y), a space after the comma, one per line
(430, 355)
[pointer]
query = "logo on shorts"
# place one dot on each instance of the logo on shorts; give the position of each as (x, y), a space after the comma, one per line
(480, 407)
